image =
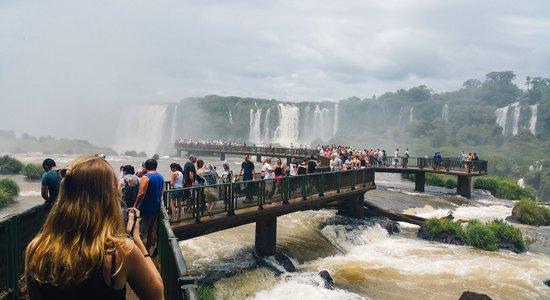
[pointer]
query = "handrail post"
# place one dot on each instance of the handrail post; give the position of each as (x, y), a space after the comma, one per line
(321, 184)
(353, 179)
(261, 194)
(285, 186)
(338, 181)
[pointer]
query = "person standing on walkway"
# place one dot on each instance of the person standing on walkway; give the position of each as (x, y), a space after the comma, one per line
(247, 171)
(396, 157)
(189, 177)
(148, 201)
(50, 182)
(176, 182)
(406, 158)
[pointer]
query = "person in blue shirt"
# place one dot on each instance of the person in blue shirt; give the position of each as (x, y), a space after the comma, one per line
(148, 201)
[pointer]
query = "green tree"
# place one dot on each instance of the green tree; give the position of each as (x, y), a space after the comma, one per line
(499, 89)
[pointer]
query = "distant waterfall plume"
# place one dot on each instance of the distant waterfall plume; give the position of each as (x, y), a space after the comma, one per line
(173, 136)
(286, 123)
(513, 117)
(288, 130)
(335, 123)
(411, 114)
(141, 128)
(533, 119)
(255, 130)
(445, 113)
(502, 116)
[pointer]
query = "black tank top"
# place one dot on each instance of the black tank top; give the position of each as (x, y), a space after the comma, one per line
(93, 287)
(279, 171)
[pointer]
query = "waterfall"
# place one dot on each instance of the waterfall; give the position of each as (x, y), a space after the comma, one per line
(266, 134)
(174, 124)
(141, 128)
(288, 130)
(230, 118)
(411, 114)
(335, 127)
(502, 115)
(533, 119)
(445, 113)
(254, 134)
(515, 118)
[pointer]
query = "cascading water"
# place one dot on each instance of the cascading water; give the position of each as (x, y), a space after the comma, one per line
(141, 128)
(230, 118)
(533, 119)
(502, 116)
(254, 134)
(174, 124)
(266, 133)
(335, 125)
(411, 114)
(288, 129)
(515, 118)
(445, 113)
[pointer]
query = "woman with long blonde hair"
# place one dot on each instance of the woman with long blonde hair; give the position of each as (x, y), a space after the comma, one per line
(83, 251)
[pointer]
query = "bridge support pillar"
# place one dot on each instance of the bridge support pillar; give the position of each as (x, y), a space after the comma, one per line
(179, 153)
(266, 235)
(353, 207)
(420, 181)
(259, 158)
(222, 156)
(464, 186)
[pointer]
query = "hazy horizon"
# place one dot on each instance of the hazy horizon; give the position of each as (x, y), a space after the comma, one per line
(68, 68)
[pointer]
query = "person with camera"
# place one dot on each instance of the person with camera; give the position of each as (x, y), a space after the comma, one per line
(83, 250)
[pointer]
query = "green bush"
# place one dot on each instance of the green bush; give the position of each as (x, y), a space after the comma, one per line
(481, 236)
(507, 233)
(487, 236)
(504, 188)
(156, 156)
(435, 179)
(528, 211)
(8, 189)
(4, 197)
(450, 183)
(486, 183)
(142, 154)
(10, 165)
(205, 292)
(444, 227)
(33, 171)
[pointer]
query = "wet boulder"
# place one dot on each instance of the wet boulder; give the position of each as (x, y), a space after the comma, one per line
(473, 296)
(329, 282)
(547, 282)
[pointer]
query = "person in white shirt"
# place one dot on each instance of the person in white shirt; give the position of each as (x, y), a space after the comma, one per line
(396, 157)
(293, 167)
(269, 175)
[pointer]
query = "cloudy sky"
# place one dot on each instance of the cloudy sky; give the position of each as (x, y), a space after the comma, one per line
(74, 60)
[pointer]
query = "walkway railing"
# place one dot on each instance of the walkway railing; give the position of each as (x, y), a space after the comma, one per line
(446, 164)
(192, 203)
(300, 152)
(178, 285)
(16, 231)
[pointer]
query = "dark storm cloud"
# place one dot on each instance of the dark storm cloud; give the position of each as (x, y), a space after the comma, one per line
(84, 60)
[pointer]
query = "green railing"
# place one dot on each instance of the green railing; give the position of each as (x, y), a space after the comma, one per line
(178, 285)
(230, 197)
(16, 231)
(445, 164)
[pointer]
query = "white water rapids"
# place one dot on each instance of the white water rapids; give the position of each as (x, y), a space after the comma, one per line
(367, 263)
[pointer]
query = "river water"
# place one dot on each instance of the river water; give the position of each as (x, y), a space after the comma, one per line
(363, 259)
